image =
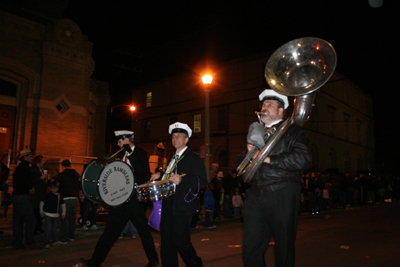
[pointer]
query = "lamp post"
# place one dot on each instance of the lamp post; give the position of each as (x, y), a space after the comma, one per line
(131, 107)
(207, 79)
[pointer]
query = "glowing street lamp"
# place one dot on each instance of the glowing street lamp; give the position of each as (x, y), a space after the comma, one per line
(207, 79)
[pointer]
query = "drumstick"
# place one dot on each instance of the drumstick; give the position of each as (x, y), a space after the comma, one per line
(115, 153)
(181, 175)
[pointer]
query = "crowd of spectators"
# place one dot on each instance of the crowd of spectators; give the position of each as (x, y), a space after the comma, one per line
(321, 191)
(334, 190)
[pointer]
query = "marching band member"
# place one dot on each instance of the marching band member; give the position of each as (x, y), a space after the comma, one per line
(273, 201)
(187, 171)
(132, 210)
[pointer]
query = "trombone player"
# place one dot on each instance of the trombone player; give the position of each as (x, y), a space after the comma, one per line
(273, 201)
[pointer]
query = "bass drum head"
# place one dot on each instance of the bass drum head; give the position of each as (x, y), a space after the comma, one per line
(116, 183)
(89, 181)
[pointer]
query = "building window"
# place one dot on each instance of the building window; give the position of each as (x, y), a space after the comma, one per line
(62, 107)
(197, 123)
(149, 98)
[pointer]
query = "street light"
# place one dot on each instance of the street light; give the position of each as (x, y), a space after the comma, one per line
(131, 107)
(207, 79)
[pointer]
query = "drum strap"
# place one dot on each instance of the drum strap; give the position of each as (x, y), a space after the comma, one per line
(172, 166)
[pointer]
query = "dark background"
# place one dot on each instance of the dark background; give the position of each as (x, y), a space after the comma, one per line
(140, 41)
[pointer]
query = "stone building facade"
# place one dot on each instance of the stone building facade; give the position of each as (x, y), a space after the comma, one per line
(340, 126)
(48, 100)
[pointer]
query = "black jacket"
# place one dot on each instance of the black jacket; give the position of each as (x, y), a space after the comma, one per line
(140, 164)
(184, 200)
(70, 184)
(39, 185)
(289, 158)
(5, 171)
(22, 179)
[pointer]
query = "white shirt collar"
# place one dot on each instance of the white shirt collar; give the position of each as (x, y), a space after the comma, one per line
(181, 152)
(272, 124)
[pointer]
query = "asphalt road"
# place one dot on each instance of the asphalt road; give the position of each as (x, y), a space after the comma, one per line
(362, 236)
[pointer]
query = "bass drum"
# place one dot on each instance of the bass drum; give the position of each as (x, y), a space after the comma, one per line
(111, 184)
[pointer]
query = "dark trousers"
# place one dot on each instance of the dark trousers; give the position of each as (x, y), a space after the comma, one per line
(87, 206)
(175, 237)
(266, 215)
(68, 224)
(209, 220)
(39, 219)
(50, 232)
(117, 219)
(23, 215)
(312, 202)
(227, 205)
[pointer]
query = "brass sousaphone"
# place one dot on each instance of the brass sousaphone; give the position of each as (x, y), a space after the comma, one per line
(298, 68)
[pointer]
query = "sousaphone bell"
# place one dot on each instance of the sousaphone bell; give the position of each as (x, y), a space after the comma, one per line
(298, 68)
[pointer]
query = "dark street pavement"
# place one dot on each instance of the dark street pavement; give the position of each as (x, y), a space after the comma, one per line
(366, 235)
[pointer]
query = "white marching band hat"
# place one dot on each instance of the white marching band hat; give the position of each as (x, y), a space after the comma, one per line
(179, 127)
(123, 134)
(269, 93)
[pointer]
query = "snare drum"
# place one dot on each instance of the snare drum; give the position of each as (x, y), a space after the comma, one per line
(111, 184)
(155, 190)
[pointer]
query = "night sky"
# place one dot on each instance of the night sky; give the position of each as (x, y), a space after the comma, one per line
(167, 38)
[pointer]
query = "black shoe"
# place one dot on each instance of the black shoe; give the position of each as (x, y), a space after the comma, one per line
(88, 263)
(152, 264)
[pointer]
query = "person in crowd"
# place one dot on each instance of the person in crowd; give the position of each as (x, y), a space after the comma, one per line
(217, 192)
(6, 202)
(39, 180)
(131, 228)
(131, 210)
(50, 210)
(209, 207)
(87, 207)
(22, 204)
(70, 186)
(186, 169)
(229, 185)
(327, 198)
(213, 171)
(273, 201)
(237, 203)
(4, 172)
(309, 185)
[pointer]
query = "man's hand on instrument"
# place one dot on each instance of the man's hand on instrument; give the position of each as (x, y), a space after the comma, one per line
(155, 176)
(249, 147)
(127, 148)
(176, 178)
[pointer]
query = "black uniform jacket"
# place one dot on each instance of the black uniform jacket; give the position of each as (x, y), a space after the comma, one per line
(184, 200)
(140, 164)
(289, 158)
